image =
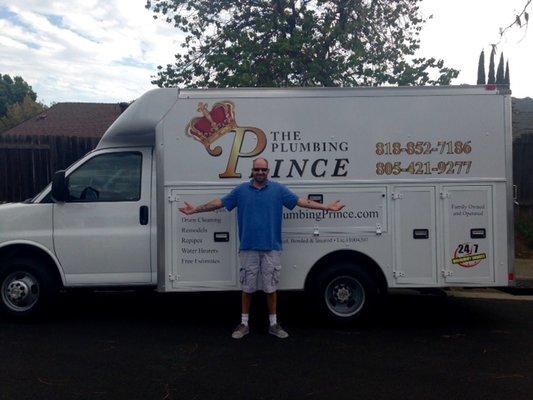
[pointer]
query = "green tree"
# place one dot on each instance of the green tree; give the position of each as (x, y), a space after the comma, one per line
(507, 79)
(297, 43)
(20, 112)
(500, 74)
(492, 77)
(12, 91)
(481, 69)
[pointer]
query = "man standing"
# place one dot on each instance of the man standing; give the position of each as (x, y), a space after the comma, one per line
(260, 205)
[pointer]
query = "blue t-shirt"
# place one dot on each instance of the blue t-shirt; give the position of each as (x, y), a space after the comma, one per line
(259, 213)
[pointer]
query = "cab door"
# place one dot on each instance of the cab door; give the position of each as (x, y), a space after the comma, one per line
(102, 233)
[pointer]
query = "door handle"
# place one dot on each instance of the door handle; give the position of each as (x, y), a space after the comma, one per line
(143, 215)
(420, 233)
(319, 198)
(221, 237)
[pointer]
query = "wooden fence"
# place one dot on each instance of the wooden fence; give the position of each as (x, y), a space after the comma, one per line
(523, 173)
(27, 163)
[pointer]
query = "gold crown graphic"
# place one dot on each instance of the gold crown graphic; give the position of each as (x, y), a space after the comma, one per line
(212, 125)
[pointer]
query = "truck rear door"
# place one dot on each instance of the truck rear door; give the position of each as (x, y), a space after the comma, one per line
(468, 234)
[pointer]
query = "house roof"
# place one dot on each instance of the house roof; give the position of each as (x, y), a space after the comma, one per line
(93, 119)
(522, 116)
(70, 119)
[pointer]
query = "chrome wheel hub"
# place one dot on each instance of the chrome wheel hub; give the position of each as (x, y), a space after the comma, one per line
(17, 290)
(20, 291)
(344, 296)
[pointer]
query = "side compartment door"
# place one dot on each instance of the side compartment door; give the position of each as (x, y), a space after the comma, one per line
(203, 254)
(415, 243)
(468, 236)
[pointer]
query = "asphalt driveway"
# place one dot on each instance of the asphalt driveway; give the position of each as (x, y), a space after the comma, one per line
(153, 346)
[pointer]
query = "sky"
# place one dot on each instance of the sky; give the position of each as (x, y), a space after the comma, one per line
(108, 50)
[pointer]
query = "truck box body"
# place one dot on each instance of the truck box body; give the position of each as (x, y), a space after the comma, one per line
(425, 174)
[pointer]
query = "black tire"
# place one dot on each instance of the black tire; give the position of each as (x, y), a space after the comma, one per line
(26, 288)
(345, 293)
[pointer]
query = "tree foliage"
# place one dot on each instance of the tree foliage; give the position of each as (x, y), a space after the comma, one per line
(17, 102)
(12, 91)
(297, 43)
(20, 112)
(500, 77)
(481, 69)
(492, 74)
(500, 73)
(507, 77)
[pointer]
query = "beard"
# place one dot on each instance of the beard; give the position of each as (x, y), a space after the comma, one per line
(260, 178)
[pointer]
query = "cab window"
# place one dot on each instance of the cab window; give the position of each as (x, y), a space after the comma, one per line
(107, 177)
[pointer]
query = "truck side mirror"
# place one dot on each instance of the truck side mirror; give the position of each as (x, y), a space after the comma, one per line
(59, 187)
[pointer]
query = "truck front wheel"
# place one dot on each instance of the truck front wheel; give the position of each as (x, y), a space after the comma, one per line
(25, 288)
(346, 293)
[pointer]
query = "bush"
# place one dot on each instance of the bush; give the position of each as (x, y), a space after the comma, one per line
(525, 228)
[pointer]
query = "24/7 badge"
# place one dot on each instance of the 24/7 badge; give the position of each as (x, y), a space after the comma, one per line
(467, 255)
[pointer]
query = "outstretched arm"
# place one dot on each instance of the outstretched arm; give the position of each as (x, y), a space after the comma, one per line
(306, 203)
(211, 206)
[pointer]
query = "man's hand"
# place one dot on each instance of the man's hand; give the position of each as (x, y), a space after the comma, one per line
(188, 209)
(337, 206)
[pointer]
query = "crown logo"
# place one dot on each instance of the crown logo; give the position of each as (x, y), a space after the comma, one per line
(212, 125)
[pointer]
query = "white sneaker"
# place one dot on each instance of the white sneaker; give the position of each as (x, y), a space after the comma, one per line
(278, 331)
(240, 332)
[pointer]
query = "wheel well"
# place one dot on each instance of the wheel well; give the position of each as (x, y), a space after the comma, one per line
(29, 251)
(347, 256)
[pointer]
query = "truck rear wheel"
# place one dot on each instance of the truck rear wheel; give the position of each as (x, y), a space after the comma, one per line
(346, 293)
(25, 288)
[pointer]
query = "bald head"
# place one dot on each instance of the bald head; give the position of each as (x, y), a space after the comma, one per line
(260, 171)
(260, 163)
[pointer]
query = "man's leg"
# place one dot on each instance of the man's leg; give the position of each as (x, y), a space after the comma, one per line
(248, 276)
(270, 270)
(271, 267)
(272, 299)
(242, 330)
(246, 302)
(275, 328)
(249, 261)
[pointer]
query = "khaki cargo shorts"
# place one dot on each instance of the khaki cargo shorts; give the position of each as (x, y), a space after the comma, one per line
(253, 263)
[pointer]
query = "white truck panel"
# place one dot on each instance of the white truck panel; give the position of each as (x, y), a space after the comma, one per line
(388, 155)
(348, 133)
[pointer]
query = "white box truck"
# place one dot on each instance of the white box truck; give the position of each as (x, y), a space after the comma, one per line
(425, 174)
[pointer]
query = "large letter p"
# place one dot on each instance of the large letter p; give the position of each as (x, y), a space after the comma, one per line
(231, 168)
